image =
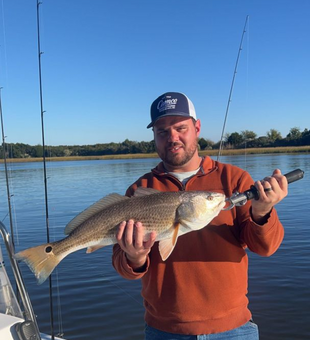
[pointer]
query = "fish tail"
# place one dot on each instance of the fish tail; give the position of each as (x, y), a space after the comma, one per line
(41, 260)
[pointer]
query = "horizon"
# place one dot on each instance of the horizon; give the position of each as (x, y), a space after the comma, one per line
(136, 141)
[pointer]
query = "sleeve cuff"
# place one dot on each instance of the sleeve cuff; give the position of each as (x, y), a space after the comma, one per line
(128, 270)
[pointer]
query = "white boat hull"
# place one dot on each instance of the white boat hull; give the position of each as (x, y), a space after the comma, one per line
(7, 328)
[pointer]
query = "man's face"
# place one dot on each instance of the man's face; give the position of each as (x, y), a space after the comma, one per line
(176, 140)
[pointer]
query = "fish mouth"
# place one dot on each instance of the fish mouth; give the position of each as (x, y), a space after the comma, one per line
(221, 204)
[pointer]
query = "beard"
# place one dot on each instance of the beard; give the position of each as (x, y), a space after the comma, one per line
(179, 158)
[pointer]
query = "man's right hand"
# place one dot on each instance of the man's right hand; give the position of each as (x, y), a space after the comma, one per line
(130, 237)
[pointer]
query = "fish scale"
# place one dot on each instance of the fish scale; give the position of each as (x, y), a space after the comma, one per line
(105, 223)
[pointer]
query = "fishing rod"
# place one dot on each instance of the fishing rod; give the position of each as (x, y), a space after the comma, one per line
(44, 165)
(237, 200)
(231, 88)
(6, 174)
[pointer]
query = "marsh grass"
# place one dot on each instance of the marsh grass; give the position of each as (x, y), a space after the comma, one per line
(250, 151)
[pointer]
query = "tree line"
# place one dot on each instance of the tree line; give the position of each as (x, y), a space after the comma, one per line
(234, 140)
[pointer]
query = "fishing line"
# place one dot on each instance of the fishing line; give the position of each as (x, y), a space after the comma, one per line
(56, 274)
(123, 290)
(60, 326)
(12, 190)
(6, 174)
(247, 88)
(7, 177)
(231, 88)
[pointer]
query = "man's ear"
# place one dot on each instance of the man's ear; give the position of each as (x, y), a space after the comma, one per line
(198, 127)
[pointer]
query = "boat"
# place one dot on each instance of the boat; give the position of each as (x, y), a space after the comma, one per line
(17, 320)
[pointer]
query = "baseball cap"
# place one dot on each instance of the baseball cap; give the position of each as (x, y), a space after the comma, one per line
(171, 104)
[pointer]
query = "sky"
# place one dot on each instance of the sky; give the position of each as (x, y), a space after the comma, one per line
(104, 62)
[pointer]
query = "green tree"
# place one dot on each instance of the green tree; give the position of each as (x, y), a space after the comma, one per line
(248, 135)
(294, 133)
(235, 139)
(305, 137)
(273, 135)
(205, 144)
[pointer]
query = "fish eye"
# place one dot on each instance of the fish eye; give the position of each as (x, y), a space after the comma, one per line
(48, 249)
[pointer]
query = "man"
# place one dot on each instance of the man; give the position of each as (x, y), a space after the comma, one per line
(199, 292)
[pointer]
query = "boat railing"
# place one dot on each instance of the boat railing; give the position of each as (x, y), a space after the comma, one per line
(28, 310)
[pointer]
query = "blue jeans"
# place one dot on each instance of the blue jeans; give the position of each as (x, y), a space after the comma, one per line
(248, 331)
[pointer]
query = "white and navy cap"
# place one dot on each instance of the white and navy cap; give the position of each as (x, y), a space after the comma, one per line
(171, 104)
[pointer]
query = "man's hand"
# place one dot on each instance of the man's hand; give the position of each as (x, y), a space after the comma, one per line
(130, 237)
(271, 190)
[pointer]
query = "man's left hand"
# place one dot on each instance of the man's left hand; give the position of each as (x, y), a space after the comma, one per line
(271, 191)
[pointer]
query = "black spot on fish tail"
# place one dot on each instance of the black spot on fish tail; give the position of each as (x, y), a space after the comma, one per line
(48, 249)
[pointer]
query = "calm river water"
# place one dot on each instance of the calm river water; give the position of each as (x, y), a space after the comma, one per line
(95, 303)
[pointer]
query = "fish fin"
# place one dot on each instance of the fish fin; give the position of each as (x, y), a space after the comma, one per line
(41, 260)
(92, 210)
(141, 191)
(167, 245)
(91, 249)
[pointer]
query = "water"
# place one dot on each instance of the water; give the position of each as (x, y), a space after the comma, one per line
(95, 303)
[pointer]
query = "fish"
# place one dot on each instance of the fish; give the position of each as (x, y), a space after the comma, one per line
(169, 214)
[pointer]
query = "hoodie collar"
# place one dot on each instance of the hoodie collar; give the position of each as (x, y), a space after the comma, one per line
(207, 165)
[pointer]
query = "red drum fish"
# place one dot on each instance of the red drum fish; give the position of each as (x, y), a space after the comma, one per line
(169, 214)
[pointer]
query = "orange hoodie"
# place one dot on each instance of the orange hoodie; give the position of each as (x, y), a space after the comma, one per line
(201, 288)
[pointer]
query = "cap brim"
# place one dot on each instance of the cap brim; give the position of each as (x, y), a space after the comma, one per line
(180, 114)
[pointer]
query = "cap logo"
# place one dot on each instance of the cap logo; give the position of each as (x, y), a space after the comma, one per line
(168, 104)
(171, 104)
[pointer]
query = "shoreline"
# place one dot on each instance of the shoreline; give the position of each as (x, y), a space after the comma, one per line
(228, 152)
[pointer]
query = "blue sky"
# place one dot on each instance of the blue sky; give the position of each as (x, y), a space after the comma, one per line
(104, 63)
